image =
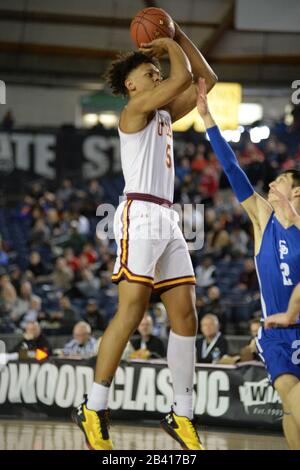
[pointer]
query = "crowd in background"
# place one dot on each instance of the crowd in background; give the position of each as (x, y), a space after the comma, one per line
(55, 273)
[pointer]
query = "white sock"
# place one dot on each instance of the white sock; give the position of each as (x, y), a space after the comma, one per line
(181, 362)
(98, 397)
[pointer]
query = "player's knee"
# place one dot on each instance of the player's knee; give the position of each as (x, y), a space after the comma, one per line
(293, 397)
(188, 316)
(189, 313)
(132, 312)
(284, 389)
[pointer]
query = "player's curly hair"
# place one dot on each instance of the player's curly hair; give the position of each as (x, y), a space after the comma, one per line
(295, 174)
(120, 68)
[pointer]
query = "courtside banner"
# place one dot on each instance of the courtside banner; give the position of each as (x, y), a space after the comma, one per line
(223, 395)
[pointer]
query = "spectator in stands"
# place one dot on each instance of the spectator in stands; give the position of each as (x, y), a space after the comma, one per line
(248, 277)
(33, 339)
(239, 242)
(83, 344)
(213, 304)
(33, 312)
(94, 194)
(62, 276)
(8, 295)
(89, 284)
(40, 234)
(218, 241)
(93, 316)
(199, 163)
(16, 277)
(23, 303)
(212, 345)
(206, 273)
(89, 253)
(83, 224)
(147, 346)
(208, 184)
(36, 267)
(161, 322)
(72, 261)
(183, 170)
(66, 317)
(75, 239)
(53, 222)
(249, 352)
(66, 191)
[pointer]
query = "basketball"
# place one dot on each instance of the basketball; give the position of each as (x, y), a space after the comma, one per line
(149, 24)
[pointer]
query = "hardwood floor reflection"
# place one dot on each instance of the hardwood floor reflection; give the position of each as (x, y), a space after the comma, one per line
(49, 435)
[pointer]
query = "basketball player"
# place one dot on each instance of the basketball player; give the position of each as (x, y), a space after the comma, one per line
(276, 223)
(145, 264)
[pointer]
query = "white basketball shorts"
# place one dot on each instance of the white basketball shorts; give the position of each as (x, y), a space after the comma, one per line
(151, 247)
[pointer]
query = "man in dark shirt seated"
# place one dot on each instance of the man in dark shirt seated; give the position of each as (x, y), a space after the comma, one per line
(33, 339)
(212, 345)
(147, 346)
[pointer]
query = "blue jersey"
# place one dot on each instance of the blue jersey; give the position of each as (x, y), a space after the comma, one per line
(278, 265)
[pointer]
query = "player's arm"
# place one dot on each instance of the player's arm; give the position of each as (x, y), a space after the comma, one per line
(289, 317)
(258, 209)
(187, 101)
(179, 79)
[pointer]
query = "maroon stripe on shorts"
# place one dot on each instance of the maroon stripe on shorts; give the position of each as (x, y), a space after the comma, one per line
(148, 198)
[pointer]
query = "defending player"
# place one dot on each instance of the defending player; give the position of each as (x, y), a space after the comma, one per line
(144, 263)
(276, 223)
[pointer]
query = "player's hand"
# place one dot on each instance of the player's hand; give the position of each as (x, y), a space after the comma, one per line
(278, 319)
(252, 346)
(202, 104)
(178, 31)
(156, 48)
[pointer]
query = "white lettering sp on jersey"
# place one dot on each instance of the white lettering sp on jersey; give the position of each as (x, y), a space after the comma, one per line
(147, 158)
(283, 249)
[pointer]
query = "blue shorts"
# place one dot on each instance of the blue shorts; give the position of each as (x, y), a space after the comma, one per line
(280, 351)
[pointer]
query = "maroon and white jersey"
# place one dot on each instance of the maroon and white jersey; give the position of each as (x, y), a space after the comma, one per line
(147, 158)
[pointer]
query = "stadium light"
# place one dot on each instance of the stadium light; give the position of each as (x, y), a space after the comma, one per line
(108, 120)
(90, 119)
(249, 113)
(232, 135)
(259, 133)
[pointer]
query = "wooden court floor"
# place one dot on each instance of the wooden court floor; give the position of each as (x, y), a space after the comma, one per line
(53, 435)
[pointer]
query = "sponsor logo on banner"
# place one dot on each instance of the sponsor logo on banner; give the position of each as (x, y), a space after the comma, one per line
(255, 397)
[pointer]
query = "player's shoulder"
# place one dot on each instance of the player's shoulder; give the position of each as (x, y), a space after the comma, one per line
(132, 123)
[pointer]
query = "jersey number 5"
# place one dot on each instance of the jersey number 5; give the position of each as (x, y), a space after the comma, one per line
(168, 157)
